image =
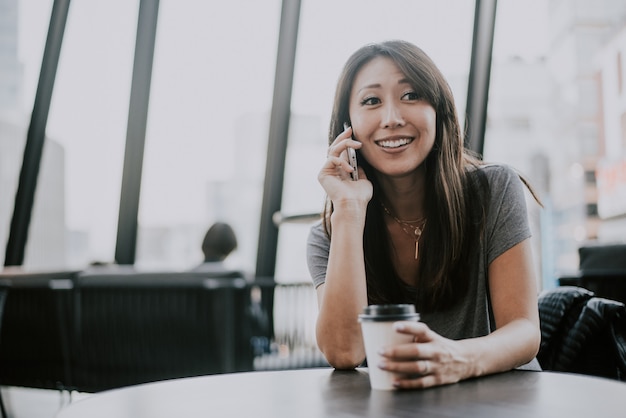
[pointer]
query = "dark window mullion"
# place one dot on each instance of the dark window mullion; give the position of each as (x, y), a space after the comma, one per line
(136, 132)
(479, 75)
(35, 138)
(278, 138)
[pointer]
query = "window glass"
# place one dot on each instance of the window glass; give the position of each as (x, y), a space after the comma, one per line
(545, 71)
(88, 119)
(12, 139)
(208, 122)
(211, 98)
(330, 31)
(521, 90)
(74, 217)
(22, 36)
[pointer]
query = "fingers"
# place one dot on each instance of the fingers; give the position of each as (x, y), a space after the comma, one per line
(429, 360)
(343, 141)
(419, 330)
(415, 368)
(335, 175)
(414, 363)
(425, 349)
(338, 166)
(337, 162)
(414, 374)
(423, 382)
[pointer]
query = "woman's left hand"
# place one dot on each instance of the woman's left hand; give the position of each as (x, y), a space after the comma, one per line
(430, 360)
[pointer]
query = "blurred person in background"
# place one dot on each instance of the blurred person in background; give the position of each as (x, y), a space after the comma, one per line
(218, 243)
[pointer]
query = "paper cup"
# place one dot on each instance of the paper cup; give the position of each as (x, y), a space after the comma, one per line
(377, 327)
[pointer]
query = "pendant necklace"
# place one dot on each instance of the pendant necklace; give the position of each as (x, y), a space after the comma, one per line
(415, 230)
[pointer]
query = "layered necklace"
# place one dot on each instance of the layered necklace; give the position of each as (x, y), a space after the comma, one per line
(413, 229)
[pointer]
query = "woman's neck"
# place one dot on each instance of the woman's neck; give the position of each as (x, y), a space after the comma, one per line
(403, 196)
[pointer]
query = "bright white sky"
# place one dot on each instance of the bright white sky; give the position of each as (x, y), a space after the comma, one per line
(212, 56)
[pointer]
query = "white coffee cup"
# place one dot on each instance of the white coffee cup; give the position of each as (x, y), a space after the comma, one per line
(378, 332)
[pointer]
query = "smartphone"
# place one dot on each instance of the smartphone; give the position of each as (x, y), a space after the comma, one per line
(352, 157)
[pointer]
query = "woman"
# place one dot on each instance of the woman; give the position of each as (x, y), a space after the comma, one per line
(426, 223)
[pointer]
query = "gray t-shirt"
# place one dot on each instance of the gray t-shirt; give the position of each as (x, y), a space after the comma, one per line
(507, 225)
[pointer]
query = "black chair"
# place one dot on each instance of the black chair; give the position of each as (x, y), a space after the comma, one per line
(582, 333)
(135, 328)
(602, 269)
(4, 288)
(35, 339)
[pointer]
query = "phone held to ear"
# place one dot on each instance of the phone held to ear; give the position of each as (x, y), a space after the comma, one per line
(352, 157)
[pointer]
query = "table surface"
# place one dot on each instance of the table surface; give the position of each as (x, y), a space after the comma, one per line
(328, 393)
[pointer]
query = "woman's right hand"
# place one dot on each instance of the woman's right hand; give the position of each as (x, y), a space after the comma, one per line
(335, 174)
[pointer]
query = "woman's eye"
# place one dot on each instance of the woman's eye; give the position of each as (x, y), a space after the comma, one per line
(411, 95)
(370, 101)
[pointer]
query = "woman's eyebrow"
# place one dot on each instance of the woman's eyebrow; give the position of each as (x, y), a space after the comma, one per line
(377, 85)
(370, 86)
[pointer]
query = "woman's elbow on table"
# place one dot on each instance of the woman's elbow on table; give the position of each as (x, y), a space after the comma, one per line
(343, 360)
(340, 356)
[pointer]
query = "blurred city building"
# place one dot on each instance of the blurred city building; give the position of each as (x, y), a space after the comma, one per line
(560, 120)
(47, 232)
(611, 169)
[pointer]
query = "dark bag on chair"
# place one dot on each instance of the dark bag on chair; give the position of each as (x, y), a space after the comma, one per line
(581, 333)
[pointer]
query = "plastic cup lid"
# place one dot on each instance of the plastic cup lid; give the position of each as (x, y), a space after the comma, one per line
(388, 312)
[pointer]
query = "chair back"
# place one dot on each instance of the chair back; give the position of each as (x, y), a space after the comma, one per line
(602, 270)
(35, 338)
(143, 327)
(582, 333)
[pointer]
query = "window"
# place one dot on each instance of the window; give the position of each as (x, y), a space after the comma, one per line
(620, 73)
(553, 86)
(329, 32)
(206, 140)
(211, 97)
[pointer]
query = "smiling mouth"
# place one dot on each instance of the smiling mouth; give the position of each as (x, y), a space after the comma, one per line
(394, 143)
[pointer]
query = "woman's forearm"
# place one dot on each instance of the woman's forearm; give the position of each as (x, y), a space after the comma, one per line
(509, 347)
(344, 293)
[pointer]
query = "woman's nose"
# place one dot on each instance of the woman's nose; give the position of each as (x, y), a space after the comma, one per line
(392, 117)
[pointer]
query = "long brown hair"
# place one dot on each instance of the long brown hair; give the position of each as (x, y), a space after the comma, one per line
(456, 191)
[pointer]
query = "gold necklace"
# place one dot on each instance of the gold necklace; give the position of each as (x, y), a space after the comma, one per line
(417, 230)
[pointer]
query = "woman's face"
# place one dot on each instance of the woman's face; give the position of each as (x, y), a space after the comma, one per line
(396, 128)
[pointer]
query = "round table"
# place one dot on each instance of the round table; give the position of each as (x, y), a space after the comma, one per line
(328, 393)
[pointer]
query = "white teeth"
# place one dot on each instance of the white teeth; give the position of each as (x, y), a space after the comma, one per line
(394, 143)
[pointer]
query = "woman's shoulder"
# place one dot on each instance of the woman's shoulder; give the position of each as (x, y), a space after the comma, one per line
(497, 169)
(498, 173)
(504, 183)
(495, 180)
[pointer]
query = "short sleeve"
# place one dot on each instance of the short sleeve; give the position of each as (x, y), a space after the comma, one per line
(507, 217)
(317, 249)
